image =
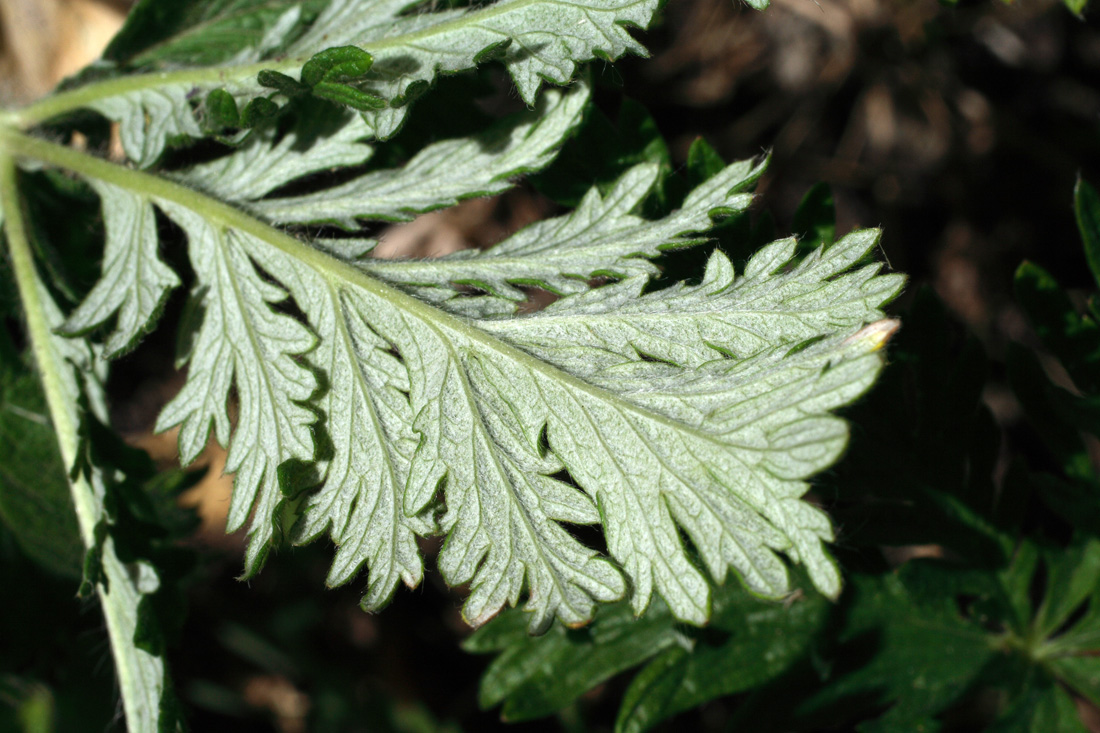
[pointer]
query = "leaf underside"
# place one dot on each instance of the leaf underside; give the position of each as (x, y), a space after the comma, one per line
(395, 399)
(399, 47)
(685, 420)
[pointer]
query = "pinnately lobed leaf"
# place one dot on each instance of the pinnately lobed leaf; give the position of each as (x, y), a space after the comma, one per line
(379, 401)
(696, 409)
(374, 56)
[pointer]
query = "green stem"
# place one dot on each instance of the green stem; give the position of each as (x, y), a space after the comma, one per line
(140, 675)
(40, 333)
(68, 101)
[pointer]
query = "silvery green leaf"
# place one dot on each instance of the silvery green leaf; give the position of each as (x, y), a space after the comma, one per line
(536, 40)
(135, 281)
(603, 237)
(369, 422)
(401, 49)
(263, 164)
(685, 421)
(442, 174)
(653, 458)
(150, 118)
(230, 294)
(503, 502)
(723, 316)
(244, 345)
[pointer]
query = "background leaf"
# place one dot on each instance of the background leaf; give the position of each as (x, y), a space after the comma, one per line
(34, 495)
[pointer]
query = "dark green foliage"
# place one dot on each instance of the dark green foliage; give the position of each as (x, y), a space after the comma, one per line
(815, 221)
(51, 667)
(748, 642)
(165, 32)
(602, 151)
(34, 495)
(937, 635)
(61, 208)
(328, 75)
(221, 111)
(1087, 207)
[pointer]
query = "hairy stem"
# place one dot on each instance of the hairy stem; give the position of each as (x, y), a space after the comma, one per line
(141, 676)
(40, 334)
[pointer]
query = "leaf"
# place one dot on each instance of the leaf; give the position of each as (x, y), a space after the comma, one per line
(1048, 407)
(1045, 707)
(1070, 647)
(397, 57)
(1077, 7)
(266, 162)
(440, 175)
(1086, 204)
(593, 428)
(815, 219)
(761, 642)
(603, 237)
(34, 495)
(958, 631)
(1081, 673)
(135, 284)
(749, 641)
(247, 345)
(1073, 338)
(35, 504)
(703, 162)
(601, 152)
(924, 655)
(231, 292)
(199, 32)
(360, 500)
(707, 422)
(1072, 576)
(723, 316)
(535, 676)
(536, 43)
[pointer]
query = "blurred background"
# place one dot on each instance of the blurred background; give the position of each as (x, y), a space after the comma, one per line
(958, 129)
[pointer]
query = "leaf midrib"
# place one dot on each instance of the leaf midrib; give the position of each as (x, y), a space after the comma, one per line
(333, 270)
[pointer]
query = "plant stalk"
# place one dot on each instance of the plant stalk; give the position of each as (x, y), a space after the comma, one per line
(141, 676)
